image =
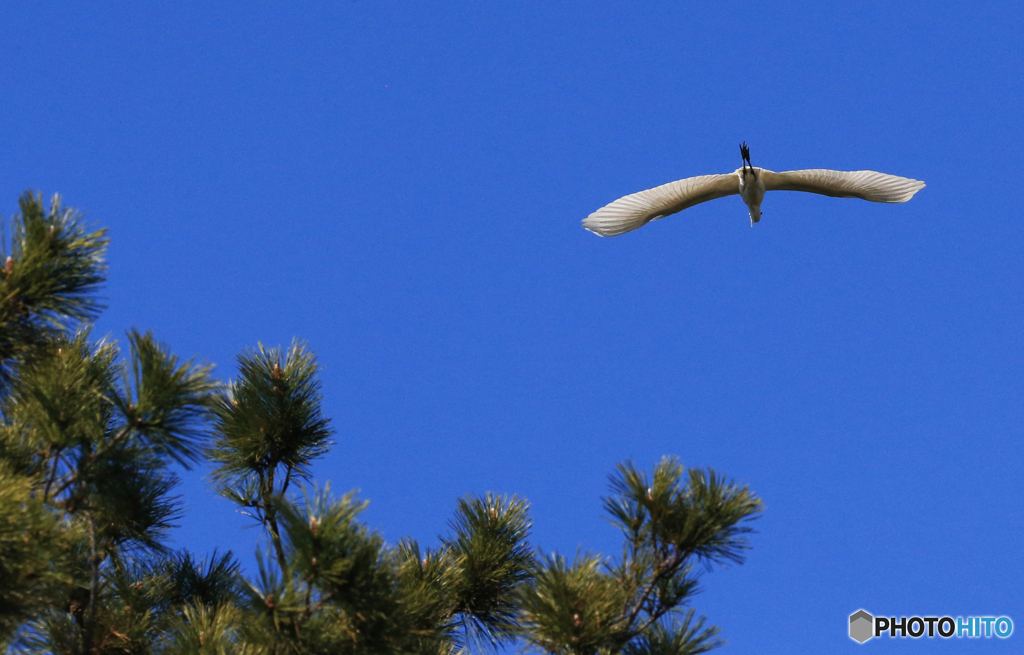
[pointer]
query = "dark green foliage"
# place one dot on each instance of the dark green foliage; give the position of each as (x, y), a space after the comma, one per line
(140, 605)
(342, 589)
(464, 593)
(94, 432)
(206, 630)
(491, 558)
(328, 550)
(575, 608)
(690, 512)
(49, 270)
(130, 502)
(672, 520)
(166, 403)
(683, 637)
(30, 550)
(89, 438)
(269, 429)
(271, 421)
(209, 582)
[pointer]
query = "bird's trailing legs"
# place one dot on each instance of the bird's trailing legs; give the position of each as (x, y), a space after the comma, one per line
(745, 153)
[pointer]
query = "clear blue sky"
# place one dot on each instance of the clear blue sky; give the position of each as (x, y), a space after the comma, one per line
(401, 185)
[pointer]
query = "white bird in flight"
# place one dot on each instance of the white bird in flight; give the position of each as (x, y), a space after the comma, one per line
(636, 210)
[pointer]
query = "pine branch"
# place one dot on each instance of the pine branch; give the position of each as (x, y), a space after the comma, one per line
(52, 268)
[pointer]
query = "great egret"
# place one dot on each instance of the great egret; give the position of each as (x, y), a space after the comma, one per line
(636, 210)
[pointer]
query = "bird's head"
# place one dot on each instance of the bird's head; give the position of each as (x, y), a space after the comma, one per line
(755, 214)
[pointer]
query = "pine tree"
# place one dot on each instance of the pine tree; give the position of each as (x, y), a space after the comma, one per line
(676, 522)
(52, 265)
(328, 584)
(91, 435)
(87, 441)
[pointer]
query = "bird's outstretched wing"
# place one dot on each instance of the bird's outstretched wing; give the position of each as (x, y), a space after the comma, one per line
(636, 210)
(868, 185)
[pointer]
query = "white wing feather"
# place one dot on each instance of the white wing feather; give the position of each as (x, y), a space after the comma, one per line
(638, 209)
(868, 185)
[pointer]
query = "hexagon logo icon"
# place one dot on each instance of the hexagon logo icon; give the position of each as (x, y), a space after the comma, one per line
(861, 626)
